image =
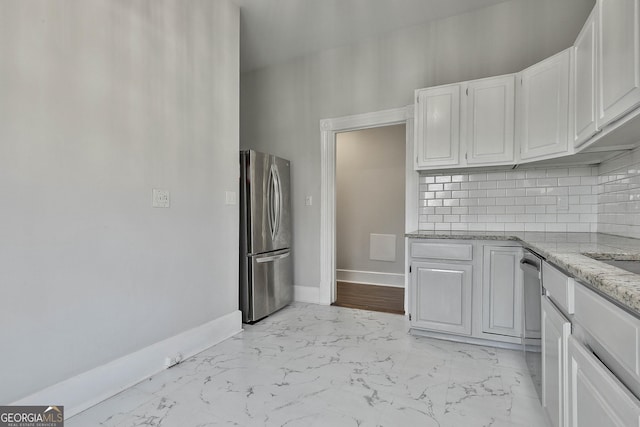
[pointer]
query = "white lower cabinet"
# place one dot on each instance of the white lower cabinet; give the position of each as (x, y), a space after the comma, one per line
(596, 397)
(502, 291)
(442, 297)
(555, 335)
(468, 289)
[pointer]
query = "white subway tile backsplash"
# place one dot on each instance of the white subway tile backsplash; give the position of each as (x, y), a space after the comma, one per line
(618, 211)
(487, 184)
(536, 191)
(573, 180)
(495, 209)
(452, 186)
(557, 172)
(546, 200)
(547, 182)
(477, 210)
(460, 194)
(507, 184)
(496, 176)
(535, 209)
(442, 211)
(518, 200)
(580, 189)
(516, 209)
(496, 193)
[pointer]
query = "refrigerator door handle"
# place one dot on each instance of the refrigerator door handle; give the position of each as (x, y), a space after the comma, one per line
(274, 201)
(272, 258)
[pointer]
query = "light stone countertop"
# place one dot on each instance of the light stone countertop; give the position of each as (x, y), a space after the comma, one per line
(565, 251)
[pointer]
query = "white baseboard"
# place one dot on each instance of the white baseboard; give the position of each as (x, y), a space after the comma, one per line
(89, 388)
(306, 294)
(371, 278)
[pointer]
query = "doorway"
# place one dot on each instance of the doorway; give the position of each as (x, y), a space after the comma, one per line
(370, 216)
(329, 128)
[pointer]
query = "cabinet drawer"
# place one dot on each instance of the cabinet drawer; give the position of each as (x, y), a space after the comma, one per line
(442, 251)
(559, 287)
(611, 327)
(596, 397)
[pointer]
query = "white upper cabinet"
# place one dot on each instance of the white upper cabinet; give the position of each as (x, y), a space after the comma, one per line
(543, 113)
(488, 116)
(437, 126)
(585, 123)
(470, 123)
(618, 58)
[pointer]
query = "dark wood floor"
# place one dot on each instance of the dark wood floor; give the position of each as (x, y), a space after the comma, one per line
(370, 297)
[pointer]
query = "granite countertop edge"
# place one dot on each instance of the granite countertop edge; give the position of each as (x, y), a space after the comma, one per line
(619, 286)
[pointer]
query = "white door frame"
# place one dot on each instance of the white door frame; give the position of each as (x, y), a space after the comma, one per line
(328, 130)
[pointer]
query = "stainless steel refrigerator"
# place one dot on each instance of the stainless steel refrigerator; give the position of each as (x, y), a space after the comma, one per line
(266, 270)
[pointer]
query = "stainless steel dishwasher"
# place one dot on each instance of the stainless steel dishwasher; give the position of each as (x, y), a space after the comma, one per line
(531, 266)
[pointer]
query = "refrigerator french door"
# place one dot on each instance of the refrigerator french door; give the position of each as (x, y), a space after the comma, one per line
(266, 269)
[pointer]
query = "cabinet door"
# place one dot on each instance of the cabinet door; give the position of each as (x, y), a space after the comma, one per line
(544, 107)
(437, 126)
(619, 58)
(502, 291)
(489, 120)
(596, 397)
(555, 333)
(442, 297)
(584, 82)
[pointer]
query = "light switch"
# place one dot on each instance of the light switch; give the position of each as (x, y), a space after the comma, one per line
(230, 198)
(161, 198)
(308, 201)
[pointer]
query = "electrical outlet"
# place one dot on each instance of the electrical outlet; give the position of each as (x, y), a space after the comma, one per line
(161, 198)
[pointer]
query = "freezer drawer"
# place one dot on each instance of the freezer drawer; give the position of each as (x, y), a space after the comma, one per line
(270, 285)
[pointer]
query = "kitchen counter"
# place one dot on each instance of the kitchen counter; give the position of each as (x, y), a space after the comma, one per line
(565, 251)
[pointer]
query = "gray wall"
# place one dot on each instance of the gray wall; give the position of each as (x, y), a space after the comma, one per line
(101, 101)
(370, 179)
(283, 104)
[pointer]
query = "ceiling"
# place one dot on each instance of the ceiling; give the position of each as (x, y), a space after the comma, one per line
(273, 31)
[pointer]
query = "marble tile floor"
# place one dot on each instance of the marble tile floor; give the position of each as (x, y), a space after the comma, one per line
(311, 365)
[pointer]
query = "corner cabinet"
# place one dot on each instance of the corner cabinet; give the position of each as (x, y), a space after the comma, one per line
(502, 291)
(585, 123)
(470, 123)
(437, 126)
(542, 119)
(618, 57)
